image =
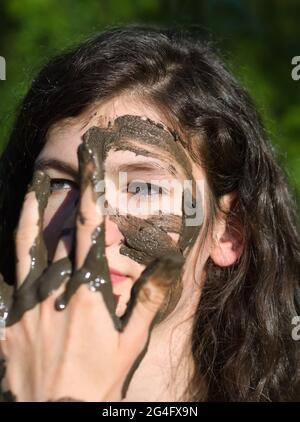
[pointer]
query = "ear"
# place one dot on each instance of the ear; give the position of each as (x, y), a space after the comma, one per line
(227, 243)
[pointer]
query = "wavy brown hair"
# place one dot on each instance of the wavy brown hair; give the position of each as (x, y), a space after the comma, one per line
(241, 342)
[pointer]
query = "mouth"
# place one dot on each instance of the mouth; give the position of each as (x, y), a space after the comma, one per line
(116, 277)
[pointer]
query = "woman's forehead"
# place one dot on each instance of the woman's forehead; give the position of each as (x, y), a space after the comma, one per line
(64, 137)
(104, 113)
(128, 146)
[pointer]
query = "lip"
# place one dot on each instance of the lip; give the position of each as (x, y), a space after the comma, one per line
(116, 277)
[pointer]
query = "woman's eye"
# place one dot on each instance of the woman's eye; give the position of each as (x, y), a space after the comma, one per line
(145, 189)
(62, 184)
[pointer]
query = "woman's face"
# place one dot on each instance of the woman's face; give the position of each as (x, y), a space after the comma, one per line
(59, 160)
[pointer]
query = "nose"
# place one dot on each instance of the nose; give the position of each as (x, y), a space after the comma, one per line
(112, 232)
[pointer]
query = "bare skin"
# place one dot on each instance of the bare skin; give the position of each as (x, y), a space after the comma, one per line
(64, 333)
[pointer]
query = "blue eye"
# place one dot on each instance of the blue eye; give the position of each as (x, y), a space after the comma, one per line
(62, 184)
(145, 189)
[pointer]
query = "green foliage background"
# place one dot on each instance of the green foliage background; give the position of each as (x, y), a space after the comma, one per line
(257, 39)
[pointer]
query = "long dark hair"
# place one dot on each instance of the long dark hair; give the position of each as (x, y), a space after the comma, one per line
(241, 342)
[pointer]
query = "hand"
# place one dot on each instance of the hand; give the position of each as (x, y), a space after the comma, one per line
(63, 338)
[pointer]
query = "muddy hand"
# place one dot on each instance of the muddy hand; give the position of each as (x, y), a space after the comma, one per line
(49, 350)
(33, 275)
(90, 260)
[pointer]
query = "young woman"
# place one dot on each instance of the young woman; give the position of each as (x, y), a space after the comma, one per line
(158, 105)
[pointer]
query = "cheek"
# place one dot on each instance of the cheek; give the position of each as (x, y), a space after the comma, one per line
(58, 214)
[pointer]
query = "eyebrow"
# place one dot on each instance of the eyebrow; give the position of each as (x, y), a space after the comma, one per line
(54, 163)
(147, 166)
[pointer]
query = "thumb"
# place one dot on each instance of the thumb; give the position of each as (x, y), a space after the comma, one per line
(148, 295)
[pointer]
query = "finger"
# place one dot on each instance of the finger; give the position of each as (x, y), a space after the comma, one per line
(147, 298)
(89, 216)
(91, 262)
(51, 280)
(30, 247)
(95, 274)
(60, 270)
